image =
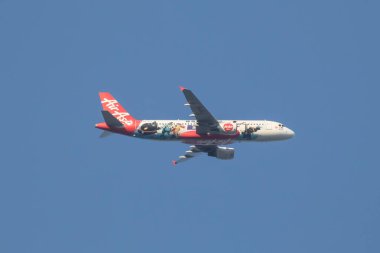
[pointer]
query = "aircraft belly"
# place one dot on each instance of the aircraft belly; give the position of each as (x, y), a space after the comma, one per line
(208, 141)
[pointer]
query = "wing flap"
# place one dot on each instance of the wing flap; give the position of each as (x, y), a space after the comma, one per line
(223, 153)
(193, 152)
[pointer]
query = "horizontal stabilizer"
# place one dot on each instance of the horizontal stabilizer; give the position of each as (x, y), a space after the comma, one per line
(105, 134)
(110, 120)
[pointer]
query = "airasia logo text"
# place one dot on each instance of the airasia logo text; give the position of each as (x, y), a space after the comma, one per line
(228, 127)
(113, 106)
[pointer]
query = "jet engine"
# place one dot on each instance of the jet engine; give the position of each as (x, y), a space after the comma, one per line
(223, 153)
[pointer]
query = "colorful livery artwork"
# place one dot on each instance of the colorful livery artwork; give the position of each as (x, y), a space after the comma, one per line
(205, 134)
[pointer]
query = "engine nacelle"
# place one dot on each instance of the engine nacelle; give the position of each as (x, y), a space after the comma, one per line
(223, 153)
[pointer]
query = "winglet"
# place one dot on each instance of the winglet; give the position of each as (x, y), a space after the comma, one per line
(174, 162)
(182, 88)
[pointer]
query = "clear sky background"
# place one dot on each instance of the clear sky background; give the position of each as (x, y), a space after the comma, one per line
(312, 65)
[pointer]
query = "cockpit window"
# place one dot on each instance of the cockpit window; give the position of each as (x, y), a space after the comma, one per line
(280, 125)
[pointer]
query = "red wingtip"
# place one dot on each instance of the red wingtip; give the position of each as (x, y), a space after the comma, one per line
(174, 163)
(182, 88)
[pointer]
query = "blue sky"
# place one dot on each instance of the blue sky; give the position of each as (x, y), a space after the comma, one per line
(313, 65)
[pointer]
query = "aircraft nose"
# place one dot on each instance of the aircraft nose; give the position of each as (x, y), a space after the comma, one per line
(291, 133)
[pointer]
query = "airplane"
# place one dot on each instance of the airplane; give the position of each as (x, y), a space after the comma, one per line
(204, 134)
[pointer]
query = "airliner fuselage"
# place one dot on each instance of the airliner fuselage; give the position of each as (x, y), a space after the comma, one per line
(185, 131)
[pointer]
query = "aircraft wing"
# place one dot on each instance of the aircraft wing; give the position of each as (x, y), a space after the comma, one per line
(206, 122)
(194, 151)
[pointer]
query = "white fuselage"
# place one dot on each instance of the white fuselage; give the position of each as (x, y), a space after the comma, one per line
(236, 130)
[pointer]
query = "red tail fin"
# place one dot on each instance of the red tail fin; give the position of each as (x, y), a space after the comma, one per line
(111, 105)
